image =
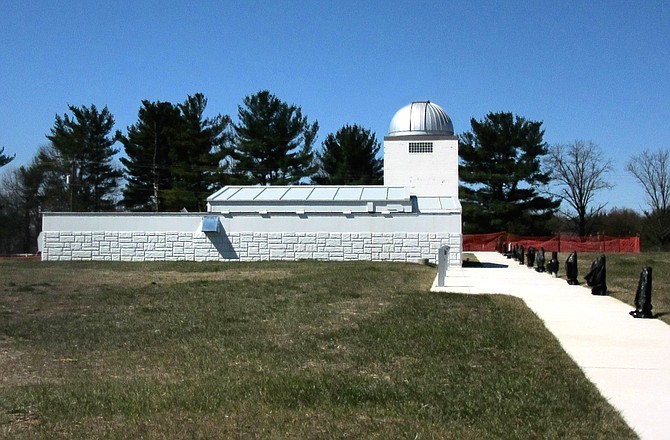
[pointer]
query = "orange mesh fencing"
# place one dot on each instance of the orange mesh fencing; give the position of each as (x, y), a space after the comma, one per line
(557, 243)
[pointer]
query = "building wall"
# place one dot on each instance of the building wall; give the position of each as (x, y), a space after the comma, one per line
(178, 237)
(426, 174)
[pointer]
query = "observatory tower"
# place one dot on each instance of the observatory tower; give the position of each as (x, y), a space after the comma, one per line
(421, 151)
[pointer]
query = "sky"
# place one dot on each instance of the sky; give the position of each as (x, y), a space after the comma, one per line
(596, 71)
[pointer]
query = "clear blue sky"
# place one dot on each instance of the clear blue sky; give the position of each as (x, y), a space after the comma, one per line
(597, 70)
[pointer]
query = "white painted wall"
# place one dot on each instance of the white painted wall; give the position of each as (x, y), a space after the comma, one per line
(426, 174)
(178, 236)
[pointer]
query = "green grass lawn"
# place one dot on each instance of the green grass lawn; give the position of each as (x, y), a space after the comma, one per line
(278, 350)
(623, 274)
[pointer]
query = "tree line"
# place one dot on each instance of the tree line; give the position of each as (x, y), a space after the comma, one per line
(174, 157)
(511, 180)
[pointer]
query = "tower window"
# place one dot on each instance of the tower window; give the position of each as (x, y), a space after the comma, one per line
(420, 147)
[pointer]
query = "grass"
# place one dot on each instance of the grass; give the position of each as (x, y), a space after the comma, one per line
(278, 350)
(623, 274)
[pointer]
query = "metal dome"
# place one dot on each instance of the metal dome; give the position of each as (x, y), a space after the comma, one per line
(421, 118)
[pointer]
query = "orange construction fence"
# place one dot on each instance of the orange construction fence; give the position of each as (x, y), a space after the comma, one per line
(557, 243)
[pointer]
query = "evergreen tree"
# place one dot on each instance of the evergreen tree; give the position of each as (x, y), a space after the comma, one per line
(349, 157)
(4, 159)
(273, 141)
(197, 158)
(174, 156)
(502, 177)
(148, 164)
(85, 146)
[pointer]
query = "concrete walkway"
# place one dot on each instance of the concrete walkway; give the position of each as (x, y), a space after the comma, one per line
(628, 359)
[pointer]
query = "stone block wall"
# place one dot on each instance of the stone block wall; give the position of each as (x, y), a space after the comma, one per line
(247, 246)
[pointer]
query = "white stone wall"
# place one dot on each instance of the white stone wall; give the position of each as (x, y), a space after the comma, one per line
(247, 246)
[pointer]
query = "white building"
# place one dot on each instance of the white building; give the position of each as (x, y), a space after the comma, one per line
(409, 218)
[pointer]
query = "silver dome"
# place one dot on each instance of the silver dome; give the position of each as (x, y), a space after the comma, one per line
(421, 118)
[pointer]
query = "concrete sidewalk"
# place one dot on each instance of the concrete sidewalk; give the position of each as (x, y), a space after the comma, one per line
(628, 359)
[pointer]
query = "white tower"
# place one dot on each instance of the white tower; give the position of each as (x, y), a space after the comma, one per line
(421, 151)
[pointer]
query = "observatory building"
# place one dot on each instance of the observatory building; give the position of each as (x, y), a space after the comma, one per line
(409, 218)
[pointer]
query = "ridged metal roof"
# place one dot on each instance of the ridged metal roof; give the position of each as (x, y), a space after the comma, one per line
(315, 193)
(421, 118)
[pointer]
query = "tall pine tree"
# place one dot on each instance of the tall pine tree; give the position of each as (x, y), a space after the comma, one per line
(349, 157)
(273, 141)
(174, 156)
(85, 146)
(502, 177)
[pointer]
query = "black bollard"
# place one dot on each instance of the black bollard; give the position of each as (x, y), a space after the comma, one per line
(530, 257)
(643, 296)
(552, 266)
(521, 254)
(571, 271)
(540, 260)
(596, 279)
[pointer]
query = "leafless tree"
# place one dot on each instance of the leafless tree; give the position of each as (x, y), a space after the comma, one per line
(652, 170)
(580, 170)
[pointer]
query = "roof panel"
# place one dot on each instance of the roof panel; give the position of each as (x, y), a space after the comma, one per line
(323, 193)
(247, 193)
(226, 193)
(298, 193)
(349, 193)
(375, 193)
(428, 203)
(397, 193)
(271, 193)
(448, 203)
(437, 204)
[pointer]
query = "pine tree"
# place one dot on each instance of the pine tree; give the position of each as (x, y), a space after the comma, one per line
(501, 176)
(4, 159)
(85, 146)
(349, 157)
(273, 141)
(148, 164)
(174, 156)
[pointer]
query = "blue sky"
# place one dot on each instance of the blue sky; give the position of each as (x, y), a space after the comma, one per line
(597, 71)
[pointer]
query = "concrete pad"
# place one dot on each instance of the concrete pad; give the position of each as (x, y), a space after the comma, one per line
(628, 359)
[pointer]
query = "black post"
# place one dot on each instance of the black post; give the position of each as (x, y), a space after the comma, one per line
(530, 257)
(643, 296)
(540, 260)
(552, 267)
(596, 279)
(571, 271)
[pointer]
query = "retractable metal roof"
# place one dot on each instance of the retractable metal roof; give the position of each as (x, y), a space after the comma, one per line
(323, 199)
(315, 193)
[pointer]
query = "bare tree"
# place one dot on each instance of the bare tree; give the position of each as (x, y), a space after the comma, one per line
(652, 170)
(580, 170)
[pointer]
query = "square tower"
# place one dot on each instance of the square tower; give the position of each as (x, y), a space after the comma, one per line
(421, 151)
